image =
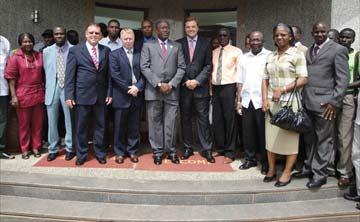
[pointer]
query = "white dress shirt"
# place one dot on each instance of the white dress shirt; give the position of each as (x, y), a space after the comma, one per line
(129, 54)
(250, 72)
(4, 54)
(89, 47)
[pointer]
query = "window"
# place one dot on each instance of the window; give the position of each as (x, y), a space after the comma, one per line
(212, 21)
(128, 17)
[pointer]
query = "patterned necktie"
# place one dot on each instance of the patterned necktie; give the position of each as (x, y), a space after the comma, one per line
(163, 49)
(315, 52)
(60, 68)
(130, 56)
(219, 68)
(191, 49)
(94, 57)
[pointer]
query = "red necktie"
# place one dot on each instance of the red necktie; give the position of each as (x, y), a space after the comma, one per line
(191, 49)
(163, 49)
(94, 58)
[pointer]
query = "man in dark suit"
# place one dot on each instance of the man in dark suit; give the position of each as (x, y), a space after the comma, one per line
(88, 89)
(328, 79)
(127, 83)
(194, 90)
(162, 64)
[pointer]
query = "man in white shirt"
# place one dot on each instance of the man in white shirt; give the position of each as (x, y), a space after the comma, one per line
(112, 40)
(4, 92)
(249, 101)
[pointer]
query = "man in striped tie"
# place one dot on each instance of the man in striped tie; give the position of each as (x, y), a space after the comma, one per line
(88, 90)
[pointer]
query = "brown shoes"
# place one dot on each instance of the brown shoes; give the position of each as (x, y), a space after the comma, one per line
(343, 182)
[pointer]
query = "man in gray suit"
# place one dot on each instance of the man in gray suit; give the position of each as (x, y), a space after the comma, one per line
(328, 79)
(162, 64)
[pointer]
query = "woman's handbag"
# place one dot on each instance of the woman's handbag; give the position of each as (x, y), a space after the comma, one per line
(287, 119)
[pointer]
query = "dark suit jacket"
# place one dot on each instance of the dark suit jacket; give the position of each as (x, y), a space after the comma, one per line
(121, 75)
(328, 76)
(139, 43)
(83, 82)
(200, 68)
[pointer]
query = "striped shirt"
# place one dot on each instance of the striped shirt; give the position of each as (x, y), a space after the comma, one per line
(283, 69)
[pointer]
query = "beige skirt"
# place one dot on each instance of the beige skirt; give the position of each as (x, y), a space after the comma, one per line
(278, 140)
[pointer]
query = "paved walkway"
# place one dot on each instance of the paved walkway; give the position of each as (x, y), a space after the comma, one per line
(21, 165)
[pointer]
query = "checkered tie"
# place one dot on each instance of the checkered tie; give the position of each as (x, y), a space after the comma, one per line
(60, 68)
(94, 57)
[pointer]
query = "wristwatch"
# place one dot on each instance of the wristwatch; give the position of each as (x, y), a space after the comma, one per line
(159, 84)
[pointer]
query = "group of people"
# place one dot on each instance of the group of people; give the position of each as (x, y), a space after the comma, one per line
(188, 76)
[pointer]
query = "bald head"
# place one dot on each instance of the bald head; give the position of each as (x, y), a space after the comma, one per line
(256, 42)
(320, 24)
(319, 32)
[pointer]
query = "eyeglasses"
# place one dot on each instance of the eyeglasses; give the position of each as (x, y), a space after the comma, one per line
(92, 33)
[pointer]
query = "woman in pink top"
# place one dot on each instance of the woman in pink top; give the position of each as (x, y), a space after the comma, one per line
(26, 80)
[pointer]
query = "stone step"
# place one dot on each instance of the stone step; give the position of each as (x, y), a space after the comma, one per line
(337, 209)
(150, 192)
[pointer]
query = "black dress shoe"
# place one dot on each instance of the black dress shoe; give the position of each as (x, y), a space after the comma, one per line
(52, 156)
(264, 169)
(282, 184)
(101, 160)
(174, 159)
(352, 197)
(302, 174)
(187, 153)
(79, 162)
(247, 165)
(134, 158)
(313, 183)
(208, 156)
(157, 160)
(269, 179)
(119, 159)
(6, 155)
(69, 155)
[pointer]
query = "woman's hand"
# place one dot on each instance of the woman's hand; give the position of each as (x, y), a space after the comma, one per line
(276, 94)
(14, 101)
(265, 105)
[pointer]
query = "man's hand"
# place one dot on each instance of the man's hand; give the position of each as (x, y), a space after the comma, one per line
(330, 111)
(276, 94)
(192, 84)
(108, 100)
(70, 103)
(265, 106)
(165, 88)
(133, 90)
(14, 101)
(239, 108)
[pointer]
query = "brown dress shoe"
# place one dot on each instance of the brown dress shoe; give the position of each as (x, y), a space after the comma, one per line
(343, 182)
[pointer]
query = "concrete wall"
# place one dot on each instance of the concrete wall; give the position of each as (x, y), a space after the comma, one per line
(346, 14)
(252, 15)
(15, 16)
